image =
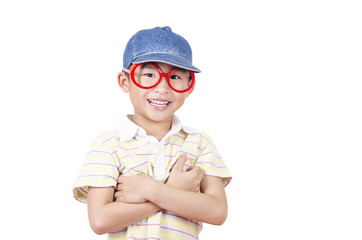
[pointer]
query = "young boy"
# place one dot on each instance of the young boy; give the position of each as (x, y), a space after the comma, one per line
(154, 178)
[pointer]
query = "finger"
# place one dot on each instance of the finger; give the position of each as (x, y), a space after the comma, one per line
(197, 171)
(202, 174)
(119, 198)
(178, 166)
(120, 179)
(189, 169)
(117, 194)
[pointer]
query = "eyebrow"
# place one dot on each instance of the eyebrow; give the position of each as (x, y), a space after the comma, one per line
(146, 66)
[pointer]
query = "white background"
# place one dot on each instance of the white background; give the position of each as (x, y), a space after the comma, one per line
(280, 93)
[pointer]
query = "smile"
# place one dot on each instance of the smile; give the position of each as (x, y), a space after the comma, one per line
(158, 103)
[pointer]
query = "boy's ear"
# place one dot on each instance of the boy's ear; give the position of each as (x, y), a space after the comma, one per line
(191, 90)
(123, 81)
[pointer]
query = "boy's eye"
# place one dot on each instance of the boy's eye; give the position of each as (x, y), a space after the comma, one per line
(174, 77)
(150, 75)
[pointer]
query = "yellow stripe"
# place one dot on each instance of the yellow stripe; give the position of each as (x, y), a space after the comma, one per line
(94, 182)
(181, 224)
(108, 171)
(100, 158)
(214, 170)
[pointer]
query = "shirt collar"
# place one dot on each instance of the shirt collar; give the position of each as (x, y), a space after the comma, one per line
(129, 129)
(177, 125)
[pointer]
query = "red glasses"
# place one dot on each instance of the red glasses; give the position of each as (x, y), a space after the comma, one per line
(148, 75)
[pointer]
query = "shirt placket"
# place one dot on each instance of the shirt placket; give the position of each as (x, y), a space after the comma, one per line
(160, 161)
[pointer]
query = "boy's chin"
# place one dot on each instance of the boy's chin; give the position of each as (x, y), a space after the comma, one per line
(160, 117)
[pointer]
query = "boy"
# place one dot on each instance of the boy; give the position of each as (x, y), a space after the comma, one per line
(154, 178)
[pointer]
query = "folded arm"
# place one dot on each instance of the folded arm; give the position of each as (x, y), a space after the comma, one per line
(209, 205)
(107, 216)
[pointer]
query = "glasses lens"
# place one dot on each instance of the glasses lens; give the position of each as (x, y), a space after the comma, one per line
(180, 79)
(146, 75)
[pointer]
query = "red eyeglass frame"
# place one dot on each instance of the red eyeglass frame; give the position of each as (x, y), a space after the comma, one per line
(162, 74)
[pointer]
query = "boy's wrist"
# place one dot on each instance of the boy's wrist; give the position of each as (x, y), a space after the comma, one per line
(152, 190)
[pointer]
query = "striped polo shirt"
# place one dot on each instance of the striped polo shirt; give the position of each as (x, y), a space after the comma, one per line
(129, 150)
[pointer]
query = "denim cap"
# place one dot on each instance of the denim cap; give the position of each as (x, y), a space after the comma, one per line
(159, 45)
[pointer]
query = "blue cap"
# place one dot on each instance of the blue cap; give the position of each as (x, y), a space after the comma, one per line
(159, 45)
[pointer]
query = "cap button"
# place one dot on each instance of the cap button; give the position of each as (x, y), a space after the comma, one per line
(167, 28)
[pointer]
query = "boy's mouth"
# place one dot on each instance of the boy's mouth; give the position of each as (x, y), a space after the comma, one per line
(159, 103)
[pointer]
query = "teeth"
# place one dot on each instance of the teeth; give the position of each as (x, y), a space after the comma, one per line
(157, 102)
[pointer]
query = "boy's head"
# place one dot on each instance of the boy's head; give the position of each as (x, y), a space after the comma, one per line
(160, 64)
(158, 45)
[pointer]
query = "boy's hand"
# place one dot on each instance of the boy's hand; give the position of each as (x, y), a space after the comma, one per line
(133, 189)
(186, 180)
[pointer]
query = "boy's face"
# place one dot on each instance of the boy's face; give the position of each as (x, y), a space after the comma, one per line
(153, 105)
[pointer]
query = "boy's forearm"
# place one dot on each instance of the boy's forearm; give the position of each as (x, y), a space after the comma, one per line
(202, 207)
(106, 216)
(117, 215)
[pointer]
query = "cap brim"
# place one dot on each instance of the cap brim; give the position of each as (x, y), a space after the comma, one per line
(166, 58)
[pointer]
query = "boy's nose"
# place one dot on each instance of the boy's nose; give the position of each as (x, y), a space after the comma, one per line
(162, 86)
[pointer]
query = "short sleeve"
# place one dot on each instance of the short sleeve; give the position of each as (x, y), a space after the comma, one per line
(100, 169)
(212, 163)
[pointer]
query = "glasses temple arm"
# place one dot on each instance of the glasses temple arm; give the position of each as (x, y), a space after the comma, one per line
(126, 70)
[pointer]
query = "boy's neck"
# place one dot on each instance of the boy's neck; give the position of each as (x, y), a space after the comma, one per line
(155, 129)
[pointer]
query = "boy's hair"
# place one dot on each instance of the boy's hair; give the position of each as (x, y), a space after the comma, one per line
(126, 73)
(158, 45)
